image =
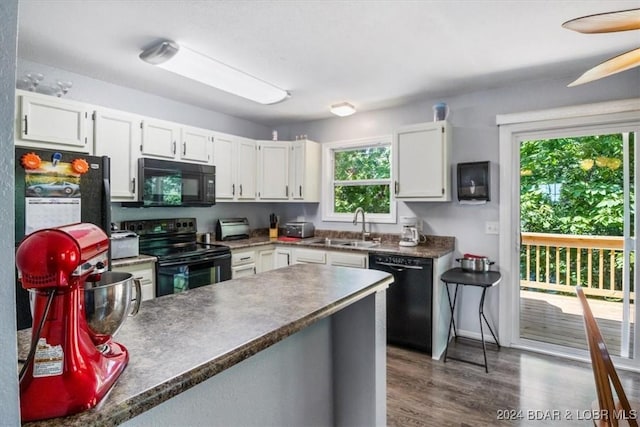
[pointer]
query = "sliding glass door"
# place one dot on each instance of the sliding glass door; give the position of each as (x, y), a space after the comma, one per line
(578, 225)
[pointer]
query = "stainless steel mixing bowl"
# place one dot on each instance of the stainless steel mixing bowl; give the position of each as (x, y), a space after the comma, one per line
(108, 301)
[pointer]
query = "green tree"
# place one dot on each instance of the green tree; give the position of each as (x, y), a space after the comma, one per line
(356, 173)
(572, 185)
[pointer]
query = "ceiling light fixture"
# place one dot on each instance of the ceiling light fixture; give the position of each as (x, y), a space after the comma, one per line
(188, 63)
(343, 109)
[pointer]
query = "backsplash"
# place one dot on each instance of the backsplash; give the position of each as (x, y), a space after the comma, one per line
(256, 213)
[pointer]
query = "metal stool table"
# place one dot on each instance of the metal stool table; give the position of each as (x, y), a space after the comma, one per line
(485, 280)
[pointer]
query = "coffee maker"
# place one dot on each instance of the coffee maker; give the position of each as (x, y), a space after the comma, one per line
(70, 366)
(410, 235)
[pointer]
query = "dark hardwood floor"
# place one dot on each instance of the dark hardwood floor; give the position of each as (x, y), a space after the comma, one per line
(522, 388)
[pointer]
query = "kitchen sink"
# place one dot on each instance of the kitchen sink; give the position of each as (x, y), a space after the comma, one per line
(351, 243)
(360, 244)
(343, 243)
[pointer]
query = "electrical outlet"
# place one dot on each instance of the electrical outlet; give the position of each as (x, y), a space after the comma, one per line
(492, 227)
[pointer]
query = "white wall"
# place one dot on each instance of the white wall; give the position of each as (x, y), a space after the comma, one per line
(475, 138)
(9, 397)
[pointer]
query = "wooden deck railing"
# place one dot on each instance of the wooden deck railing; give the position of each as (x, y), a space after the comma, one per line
(558, 262)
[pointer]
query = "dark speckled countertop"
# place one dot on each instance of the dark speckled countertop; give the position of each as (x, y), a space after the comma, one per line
(432, 247)
(228, 322)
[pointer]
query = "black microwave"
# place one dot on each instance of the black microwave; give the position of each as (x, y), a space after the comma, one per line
(170, 183)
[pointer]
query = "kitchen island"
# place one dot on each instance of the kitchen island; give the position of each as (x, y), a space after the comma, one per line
(302, 345)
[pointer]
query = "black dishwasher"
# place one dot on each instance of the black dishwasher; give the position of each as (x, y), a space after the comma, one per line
(409, 306)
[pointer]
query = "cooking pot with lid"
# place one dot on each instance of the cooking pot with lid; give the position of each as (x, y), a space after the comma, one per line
(474, 263)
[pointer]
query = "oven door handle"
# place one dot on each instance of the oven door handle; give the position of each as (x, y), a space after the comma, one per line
(399, 267)
(184, 261)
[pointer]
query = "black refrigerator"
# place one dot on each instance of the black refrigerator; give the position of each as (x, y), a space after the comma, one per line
(55, 188)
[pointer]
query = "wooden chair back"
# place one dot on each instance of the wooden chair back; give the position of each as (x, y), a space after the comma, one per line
(605, 373)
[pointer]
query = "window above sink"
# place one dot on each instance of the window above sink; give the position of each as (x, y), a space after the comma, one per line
(358, 173)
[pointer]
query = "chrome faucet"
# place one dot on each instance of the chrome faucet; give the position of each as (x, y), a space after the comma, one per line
(364, 223)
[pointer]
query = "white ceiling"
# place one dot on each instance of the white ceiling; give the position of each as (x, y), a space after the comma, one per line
(374, 54)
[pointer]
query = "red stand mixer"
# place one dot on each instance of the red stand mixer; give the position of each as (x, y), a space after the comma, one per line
(70, 367)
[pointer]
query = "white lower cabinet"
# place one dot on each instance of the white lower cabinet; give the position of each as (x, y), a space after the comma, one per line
(265, 259)
(243, 263)
(348, 259)
(282, 257)
(243, 271)
(257, 260)
(309, 256)
(145, 272)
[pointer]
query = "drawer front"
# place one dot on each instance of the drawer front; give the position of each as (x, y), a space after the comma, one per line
(243, 271)
(310, 256)
(241, 258)
(344, 259)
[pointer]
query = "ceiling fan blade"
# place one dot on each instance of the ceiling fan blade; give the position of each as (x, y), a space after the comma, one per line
(608, 22)
(611, 66)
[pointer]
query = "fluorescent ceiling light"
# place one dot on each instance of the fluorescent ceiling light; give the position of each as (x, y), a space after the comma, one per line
(188, 63)
(343, 109)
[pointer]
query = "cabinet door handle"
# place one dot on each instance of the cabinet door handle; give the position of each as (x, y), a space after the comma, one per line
(133, 186)
(184, 148)
(397, 187)
(301, 191)
(286, 190)
(233, 189)
(174, 147)
(241, 189)
(26, 124)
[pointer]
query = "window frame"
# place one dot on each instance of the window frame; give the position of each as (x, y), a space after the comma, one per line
(328, 183)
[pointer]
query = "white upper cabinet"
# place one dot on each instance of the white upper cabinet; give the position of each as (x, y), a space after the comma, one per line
(421, 156)
(235, 161)
(160, 138)
(172, 141)
(49, 122)
(224, 159)
(304, 171)
(247, 169)
(196, 145)
(273, 170)
(117, 135)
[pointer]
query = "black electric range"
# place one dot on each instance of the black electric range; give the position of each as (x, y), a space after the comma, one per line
(183, 262)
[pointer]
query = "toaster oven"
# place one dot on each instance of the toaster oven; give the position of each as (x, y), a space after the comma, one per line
(299, 229)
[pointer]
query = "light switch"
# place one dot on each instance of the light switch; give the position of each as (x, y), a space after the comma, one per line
(492, 227)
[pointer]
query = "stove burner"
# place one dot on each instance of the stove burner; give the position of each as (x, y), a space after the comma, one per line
(171, 238)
